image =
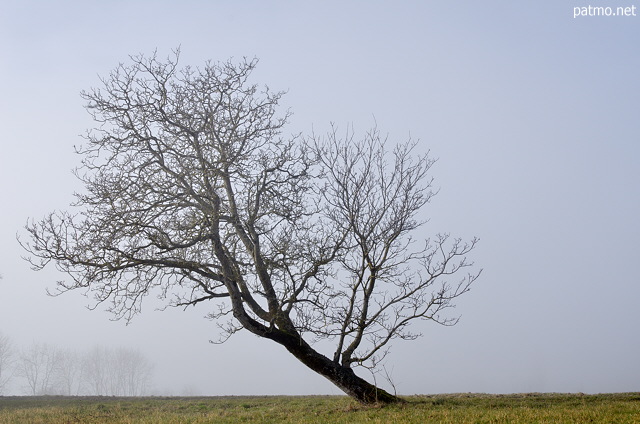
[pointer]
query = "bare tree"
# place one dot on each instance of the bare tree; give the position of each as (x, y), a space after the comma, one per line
(36, 365)
(131, 373)
(95, 371)
(194, 193)
(68, 372)
(6, 360)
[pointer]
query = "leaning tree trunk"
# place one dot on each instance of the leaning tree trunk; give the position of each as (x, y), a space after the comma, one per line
(341, 376)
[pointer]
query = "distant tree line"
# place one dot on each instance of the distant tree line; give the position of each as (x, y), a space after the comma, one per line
(44, 369)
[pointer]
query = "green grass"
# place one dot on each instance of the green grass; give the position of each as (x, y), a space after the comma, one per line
(460, 408)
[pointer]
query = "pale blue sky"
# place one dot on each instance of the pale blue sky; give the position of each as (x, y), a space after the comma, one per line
(534, 118)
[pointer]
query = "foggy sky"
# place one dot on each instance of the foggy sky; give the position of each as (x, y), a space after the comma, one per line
(533, 115)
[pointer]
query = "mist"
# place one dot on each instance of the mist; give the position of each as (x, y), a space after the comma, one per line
(531, 112)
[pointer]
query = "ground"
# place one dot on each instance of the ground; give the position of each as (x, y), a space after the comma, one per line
(453, 408)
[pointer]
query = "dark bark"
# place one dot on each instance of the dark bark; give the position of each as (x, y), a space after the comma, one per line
(343, 377)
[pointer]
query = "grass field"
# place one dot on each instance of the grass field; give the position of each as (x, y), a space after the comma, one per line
(459, 408)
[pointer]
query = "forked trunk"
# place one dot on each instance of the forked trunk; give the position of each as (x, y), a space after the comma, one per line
(341, 376)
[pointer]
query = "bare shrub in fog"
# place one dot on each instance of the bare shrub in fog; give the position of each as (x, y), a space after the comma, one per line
(95, 371)
(131, 372)
(68, 372)
(6, 361)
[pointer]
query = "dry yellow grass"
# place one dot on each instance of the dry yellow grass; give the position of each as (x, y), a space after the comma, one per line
(461, 408)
